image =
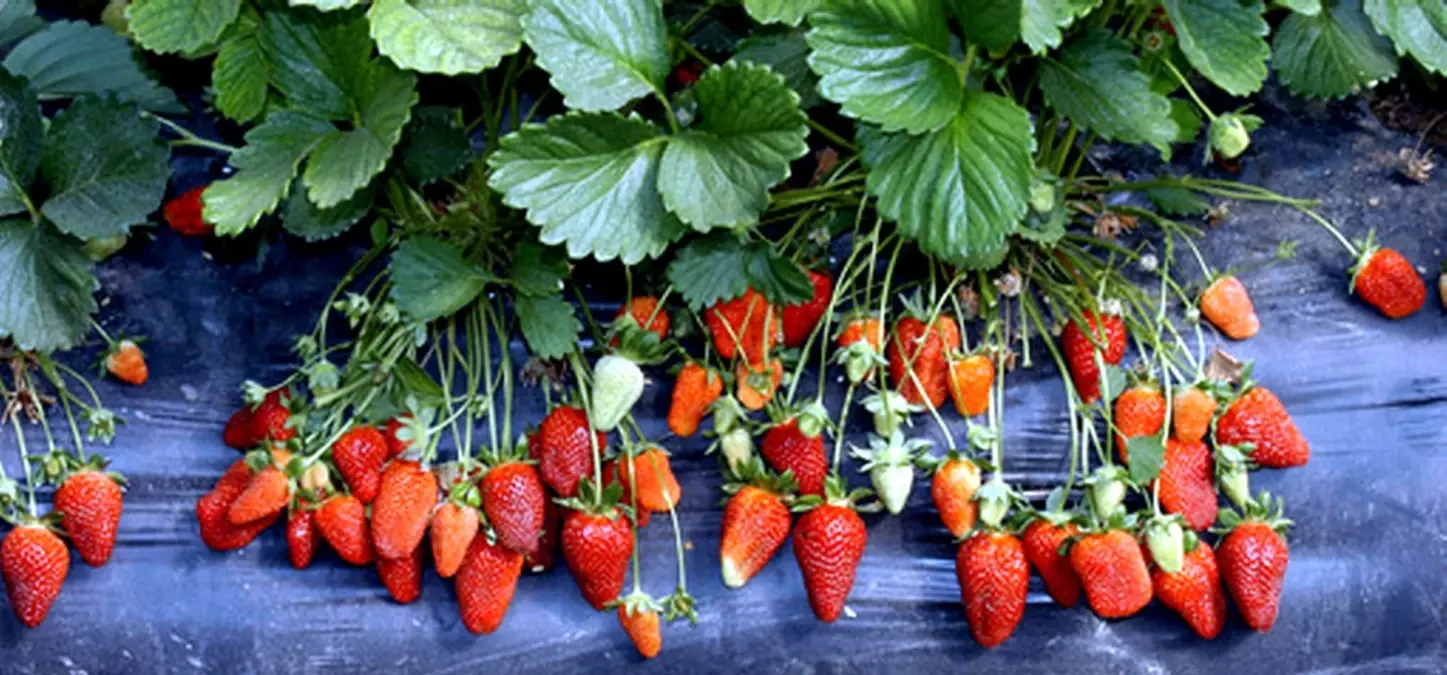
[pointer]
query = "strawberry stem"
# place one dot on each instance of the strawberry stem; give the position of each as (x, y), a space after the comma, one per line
(24, 462)
(581, 373)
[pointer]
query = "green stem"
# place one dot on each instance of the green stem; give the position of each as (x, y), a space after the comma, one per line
(1189, 90)
(832, 137)
(188, 138)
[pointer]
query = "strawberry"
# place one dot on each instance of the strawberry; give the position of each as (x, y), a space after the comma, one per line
(953, 489)
(597, 547)
(397, 445)
(266, 495)
(617, 385)
(403, 577)
(1191, 412)
(786, 448)
(1080, 351)
(1113, 573)
(403, 509)
(647, 314)
(33, 563)
(917, 363)
(758, 384)
(566, 454)
(1258, 417)
(828, 544)
(454, 526)
(515, 501)
(1253, 559)
(746, 326)
(800, 319)
(859, 343)
(485, 584)
(1387, 281)
(542, 559)
(641, 516)
(949, 332)
(970, 379)
(301, 536)
(342, 522)
(755, 524)
(994, 579)
(695, 389)
(238, 433)
(890, 464)
(1226, 304)
(642, 628)
(90, 503)
(183, 214)
(213, 508)
(1139, 411)
(269, 420)
(686, 74)
(359, 454)
(1194, 592)
(1188, 483)
(127, 363)
(1043, 538)
(657, 488)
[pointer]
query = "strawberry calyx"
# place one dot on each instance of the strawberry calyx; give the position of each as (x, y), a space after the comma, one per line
(605, 502)
(1233, 464)
(1366, 250)
(890, 410)
(1106, 490)
(1263, 509)
(995, 499)
(631, 341)
(59, 465)
(728, 414)
(837, 493)
(757, 474)
(932, 464)
(635, 603)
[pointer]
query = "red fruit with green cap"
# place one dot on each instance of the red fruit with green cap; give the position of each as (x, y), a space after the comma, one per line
(994, 579)
(756, 523)
(1258, 418)
(1253, 558)
(1044, 537)
(453, 528)
(597, 541)
(787, 448)
(1388, 282)
(89, 501)
(829, 542)
(800, 319)
(515, 501)
(486, 583)
(360, 454)
(34, 563)
(565, 453)
(1113, 573)
(1194, 592)
(956, 479)
(1139, 411)
(1079, 350)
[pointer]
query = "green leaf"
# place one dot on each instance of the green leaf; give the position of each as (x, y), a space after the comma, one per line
(343, 163)
(601, 55)
(1097, 83)
(960, 191)
(1224, 40)
(1176, 201)
(788, 54)
(718, 173)
(1146, 455)
(302, 218)
(17, 20)
(589, 180)
(1332, 54)
(241, 71)
(887, 62)
(437, 145)
(548, 323)
(1187, 119)
(1307, 7)
(538, 270)
(21, 130)
(709, 269)
(414, 382)
(1417, 27)
(73, 58)
(781, 280)
(992, 24)
(791, 12)
(450, 37)
(327, 5)
(178, 26)
(431, 279)
(1042, 21)
(106, 169)
(264, 169)
(48, 285)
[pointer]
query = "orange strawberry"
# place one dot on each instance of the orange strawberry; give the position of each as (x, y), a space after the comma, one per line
(301, 535)
(1079, 350)
(829, 541)
(1191, 412)
(656, 486)
(514, 499)
(34, 563)
(953, 488)
(755, 524)
(1226, 304)
(90, 503)
(1194, 592)
(127, 362)
(403, 509)
(758, 384)
(453, 528)
(1253, 558)
(566, 455)
(695, 389)
(1139, 411)
(486, 583)
(648, 315)
(970, 380)
(746, 326)
(266, 495)
(342, 522)
(1043, 539)
(1388, 282)
(359, 455)
(917, 362)
(597, 547)
(859, 343)
(994, 580)
(800, 319)
(1113, 573)
(787, 448)
(403, 578)
(643, 629)
(1188, 483)
(1258, 417)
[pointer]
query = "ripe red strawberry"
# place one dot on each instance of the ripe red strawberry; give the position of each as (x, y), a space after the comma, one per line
(755, 524)
(486, 583)
(953, 489)
(543, 559)
(515, 501)
(1188, 483)
(799, 320)
(269, 420)
(1043, 539)
(1139, 411)
(403, 577)
(1080, 351)
(970, 379)
(266, 495)
(746, 326)
(403, 509)
(238, 433)
(643, 630)
(656, 486)
(34, 563)
(342, 522)
(994, 579)
(1387, 281)
(212, 511)
(1258, 417)
(1191, 412)
(1227, 305)
(1194, 592)
(184, 214)
(918, 366)
(828, 543)
(90, 503)
(1253, 558)
(786, 448)
(301, 536)
(597, 547)
(1113, 573)
(695, 389)
(565, 452)
(649, 316)
(359, 455)
(454, 526)
(395, 445)
(127, 362)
